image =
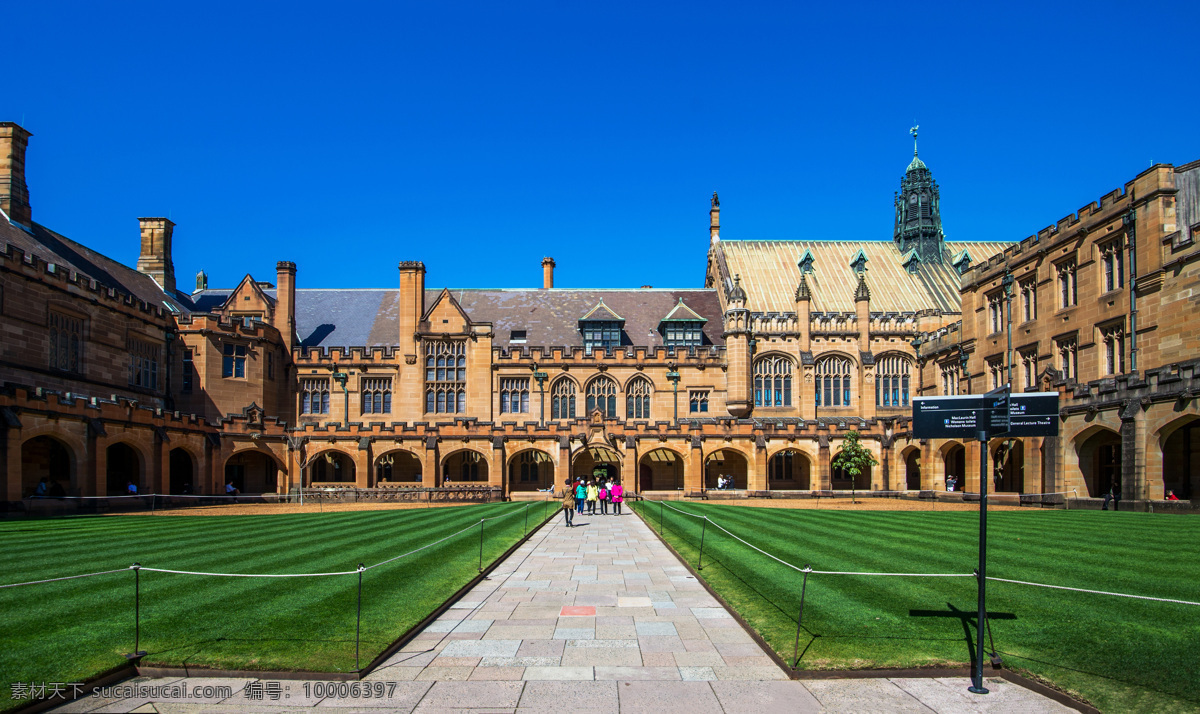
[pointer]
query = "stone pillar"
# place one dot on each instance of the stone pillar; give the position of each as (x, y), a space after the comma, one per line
(431, 472)
(498, 471)
(693, 467)
(362, 467)
(10, 460)
(629, 466)
(562, 466)
(756, 480)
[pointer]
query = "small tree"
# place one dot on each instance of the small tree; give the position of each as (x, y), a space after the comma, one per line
(854, 459)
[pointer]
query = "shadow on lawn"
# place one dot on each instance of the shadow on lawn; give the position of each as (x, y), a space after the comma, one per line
(1098, 675)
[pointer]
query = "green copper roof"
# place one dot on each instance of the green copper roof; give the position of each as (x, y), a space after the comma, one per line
(916, 164)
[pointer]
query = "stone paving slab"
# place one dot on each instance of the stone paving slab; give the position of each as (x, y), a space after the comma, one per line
(597, 618)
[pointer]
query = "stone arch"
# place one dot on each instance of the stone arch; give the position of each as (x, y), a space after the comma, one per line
(660, 469)
(183, 467)
(843, 481)
(464, 465)
(330, 466)
(1008, 466)
(596, 460)
(954, 464)
(1098, 450)
(789, 469)
(911, 458)
(48, 457)
(1180, 444)
(397, 466)
(530, 469)
(726, 462)
(124, 464)
(254, 469)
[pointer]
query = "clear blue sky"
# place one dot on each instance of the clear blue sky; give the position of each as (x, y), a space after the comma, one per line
(479, 137)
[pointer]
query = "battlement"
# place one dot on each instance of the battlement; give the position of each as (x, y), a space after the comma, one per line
(22, 397)
(35, 267)
(627, 355)
(325, 355)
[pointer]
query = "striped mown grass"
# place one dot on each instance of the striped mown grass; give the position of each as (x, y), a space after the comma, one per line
(68, 631)
(1120, 654)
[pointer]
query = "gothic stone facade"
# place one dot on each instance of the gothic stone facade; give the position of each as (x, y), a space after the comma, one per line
(112, 374)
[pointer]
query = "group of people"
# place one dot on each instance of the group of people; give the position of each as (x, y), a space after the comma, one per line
(579, 494)
(725, 483)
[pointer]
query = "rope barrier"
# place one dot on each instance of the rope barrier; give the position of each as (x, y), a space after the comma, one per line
(1096, 592)
(154, 495)
(808, 570)
(430, 545)
(68, 577)
(246, 575)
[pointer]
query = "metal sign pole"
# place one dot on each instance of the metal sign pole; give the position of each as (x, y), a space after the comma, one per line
(977, 681)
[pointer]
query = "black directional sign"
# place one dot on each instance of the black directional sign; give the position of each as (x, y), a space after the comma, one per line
(996, 404)
(961, 417)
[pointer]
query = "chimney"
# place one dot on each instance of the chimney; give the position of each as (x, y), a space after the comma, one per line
(547, 273)
(285, 302)
(412, 306)
(155, 259)
(714, 217)
(14, 194)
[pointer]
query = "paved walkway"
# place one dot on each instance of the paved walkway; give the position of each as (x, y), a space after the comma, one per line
(600, 617)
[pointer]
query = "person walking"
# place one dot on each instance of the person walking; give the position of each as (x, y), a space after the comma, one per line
(618, 496)
(1114, 495)
(593, 495)
(603, 494)
(580, 496)
(568, 502)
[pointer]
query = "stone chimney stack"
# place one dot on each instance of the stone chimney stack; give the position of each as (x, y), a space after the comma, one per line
(412, 307)
(285, 302)
(155, 259)
(14, 194)
(547, 273)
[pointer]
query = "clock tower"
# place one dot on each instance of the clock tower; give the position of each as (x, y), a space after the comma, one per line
(918, 212)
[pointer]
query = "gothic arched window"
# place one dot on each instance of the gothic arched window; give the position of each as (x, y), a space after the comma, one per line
(773, 382)
(445, 377)
(637, 400)
(602, 395)
(833, 382)
(562, 399)
(891, 382)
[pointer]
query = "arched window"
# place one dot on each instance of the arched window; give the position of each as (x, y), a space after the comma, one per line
(602, 395)
(773, 382)
(833, 382)
(637, 400)
(562, 399)
(891, 382)
(445, 377)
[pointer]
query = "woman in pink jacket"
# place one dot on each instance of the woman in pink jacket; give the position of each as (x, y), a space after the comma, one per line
(617, 495)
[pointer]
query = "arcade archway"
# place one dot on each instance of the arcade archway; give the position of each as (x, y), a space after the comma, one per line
(465, 466)
(912, 470)
(124, 466)
(44, 457)
(660, 470)
(181, 472)
(1181, 460)
(727, 463)
(531, 470)
(398, 467)
(789, 470)
(842, 480)
(255, 472)
(331, 468)
(1099, 460)
(1008, 466)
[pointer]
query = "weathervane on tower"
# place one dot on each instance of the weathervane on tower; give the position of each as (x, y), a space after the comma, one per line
(913, 131)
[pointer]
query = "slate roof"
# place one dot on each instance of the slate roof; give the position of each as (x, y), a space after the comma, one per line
(770, 274)
(370, 317)
(65, 253)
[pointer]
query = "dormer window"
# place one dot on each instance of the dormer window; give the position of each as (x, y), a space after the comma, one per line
(601, 327)
(517, 337)
(682, 327)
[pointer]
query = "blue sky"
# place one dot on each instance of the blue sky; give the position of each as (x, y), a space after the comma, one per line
(480, 137)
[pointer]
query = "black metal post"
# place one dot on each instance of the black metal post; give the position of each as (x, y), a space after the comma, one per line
(358, 622)
(137, 613)
(703, 528)
(481, 545)
(800, 619)
(527, 518)
(660, 517)
(977, 681)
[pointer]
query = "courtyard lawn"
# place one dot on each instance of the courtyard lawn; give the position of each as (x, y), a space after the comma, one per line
(1118, 653)
(71, 630)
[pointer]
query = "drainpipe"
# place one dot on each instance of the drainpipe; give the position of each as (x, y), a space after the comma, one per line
(343, 379)
(1131, 228)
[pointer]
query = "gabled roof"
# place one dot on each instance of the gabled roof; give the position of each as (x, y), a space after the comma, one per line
(682, 313)
(248, 284)
(601, 312)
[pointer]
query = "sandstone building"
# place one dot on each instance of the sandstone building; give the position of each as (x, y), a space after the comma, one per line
(112, 374)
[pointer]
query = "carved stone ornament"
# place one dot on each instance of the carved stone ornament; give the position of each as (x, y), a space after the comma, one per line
(410, 359)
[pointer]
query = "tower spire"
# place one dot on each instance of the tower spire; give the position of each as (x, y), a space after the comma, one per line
(913, 131)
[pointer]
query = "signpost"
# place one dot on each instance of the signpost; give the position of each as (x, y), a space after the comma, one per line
(997, 413)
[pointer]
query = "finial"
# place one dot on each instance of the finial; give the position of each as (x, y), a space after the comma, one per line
(913, 131)
(716, 202)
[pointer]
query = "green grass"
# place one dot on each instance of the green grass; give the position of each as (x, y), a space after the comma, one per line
(69, 631)
(1120, 654)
